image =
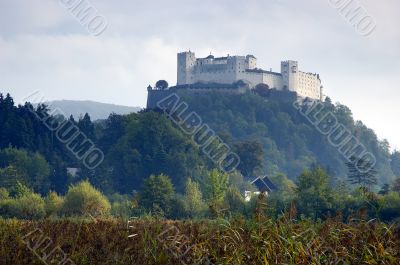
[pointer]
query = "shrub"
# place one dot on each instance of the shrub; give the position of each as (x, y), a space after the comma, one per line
(19, 190)
(235, 200)
(121, 205)
(157, 194)
(390, 206)
(83, 199)
(193, 199)
(53, 203)
(4, 194)
(29, 206)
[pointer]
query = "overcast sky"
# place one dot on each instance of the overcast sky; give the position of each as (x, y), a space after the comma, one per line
(44, 47)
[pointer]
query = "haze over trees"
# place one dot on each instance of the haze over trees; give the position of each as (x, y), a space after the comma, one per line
(152, 167)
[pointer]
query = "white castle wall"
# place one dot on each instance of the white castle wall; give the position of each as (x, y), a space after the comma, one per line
(227, 70)
(309, 85)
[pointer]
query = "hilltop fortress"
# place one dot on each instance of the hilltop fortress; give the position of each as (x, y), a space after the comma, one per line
(230, 69)
(238, 74)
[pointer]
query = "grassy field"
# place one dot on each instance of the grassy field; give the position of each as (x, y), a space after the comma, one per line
(150, 241)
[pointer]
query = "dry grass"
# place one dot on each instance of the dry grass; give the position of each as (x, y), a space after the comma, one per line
(219, 242)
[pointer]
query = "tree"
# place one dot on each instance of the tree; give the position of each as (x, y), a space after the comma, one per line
(30, 168)
(158, 193)
(313, 193)
(19, 190)
(396, 185)
(193, 199)
(4, 194)
(361, 172)
(216, 185)
(53, 203)
(87, 127)
(251, 155)
(235, 201)
(122, 205)
(83, 199)
(395, 163)
(162, 84)
(280, 200)
(262, 90)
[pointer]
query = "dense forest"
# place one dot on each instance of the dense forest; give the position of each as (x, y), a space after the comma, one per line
(150, 164)
(290, 143)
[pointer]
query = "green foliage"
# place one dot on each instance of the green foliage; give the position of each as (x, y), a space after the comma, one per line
(235, 201)
(9, 177)
(396, 185)
(290, 142)
(4, 194)
(390, 206)
(279, 201)
(83, 199)
(238, 181)
(270, 136)
(362, 173)
(53, 204)
(313, 194)
(251, 158)
(216, 184)
(30, 168)
(158, 194)
(193, 199)
(27, 205)
(149, 144)
(121, 206)
(395, 163)
(262, 90)
(19, 190)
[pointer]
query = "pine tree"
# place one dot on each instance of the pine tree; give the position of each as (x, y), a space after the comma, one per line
(361, 172)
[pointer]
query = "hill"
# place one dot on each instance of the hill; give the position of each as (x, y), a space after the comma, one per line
(270, 137)
(96, 110)
(289, 141)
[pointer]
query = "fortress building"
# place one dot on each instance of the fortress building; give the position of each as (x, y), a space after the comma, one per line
(230, 69)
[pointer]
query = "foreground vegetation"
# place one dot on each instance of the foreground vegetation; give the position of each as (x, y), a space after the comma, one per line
(323, 211)
(151, 241)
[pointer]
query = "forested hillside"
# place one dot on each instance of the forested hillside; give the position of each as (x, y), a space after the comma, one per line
(289, 140)
(269, 136)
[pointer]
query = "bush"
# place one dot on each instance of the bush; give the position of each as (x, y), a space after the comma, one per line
(83, 199)
(121, 205)
(193, 203)
(29, 206)
(158, 194)
(53, 203)
(4, 194)
(235, 200)
(390, 206)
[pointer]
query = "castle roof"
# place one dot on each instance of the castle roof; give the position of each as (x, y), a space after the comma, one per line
(261, 71)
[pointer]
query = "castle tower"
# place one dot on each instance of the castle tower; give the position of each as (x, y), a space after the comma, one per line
(290, 75)
(186, 62)
(251, 62)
